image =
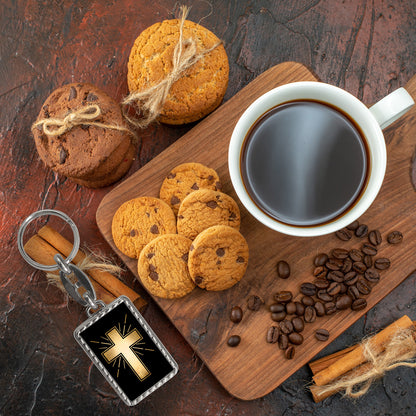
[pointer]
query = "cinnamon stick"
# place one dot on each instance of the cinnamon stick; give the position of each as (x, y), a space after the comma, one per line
(356, 357)
(324, 362)
(105, 279)
(43, 253)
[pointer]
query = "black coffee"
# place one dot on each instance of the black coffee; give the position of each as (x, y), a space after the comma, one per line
(304, 163)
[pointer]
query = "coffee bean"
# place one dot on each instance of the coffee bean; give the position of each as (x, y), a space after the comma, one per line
(363, 287)
(372, 275)
(359, 267)
(368, 261)
(334, 264)
(283, 269)
(395, 237)
(234, 340)
(330, 308)
(273, 334)
(298, 324)
(283, 341)
(278, 316)
(283, 296)
(324, 296)
(254, 302)
(321, 334)
(358, 304)
(320, 308)
(353, 292)
(344, 234)
(290, 308)
(236, 314)
(347, 266)
(286, 327)
(321, 283)
(320, 272)
(353, 226)
(336, 276)
(308, 289)
(343, 302)
(333, 290)
(343, 288)
(310, 314)
(320, 259)
(356, 255)
(277, 307)
(382, 263)
(351, 278)
(374, 237)
(290, 352)
(369, 249)
(295, 338)
(339, 253)
(307, 301)
(361, 231)
(300, 308)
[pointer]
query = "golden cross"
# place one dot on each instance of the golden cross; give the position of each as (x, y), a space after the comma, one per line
(122, 345)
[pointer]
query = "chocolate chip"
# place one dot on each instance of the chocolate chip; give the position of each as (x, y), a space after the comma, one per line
(185, 257)
(210, 178)
(199, 280)
(133, 233)
(62, 155)
(154, 229)
(195, 187)
(149, 255)
(152, 273)
(72, 93)
(212, 204)
(220, 252)
(240, 259)
(174, 200)
(91, 97)
(171, 175)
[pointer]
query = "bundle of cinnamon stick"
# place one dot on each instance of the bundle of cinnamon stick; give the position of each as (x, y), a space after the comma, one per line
(345, 367)
(43, 246)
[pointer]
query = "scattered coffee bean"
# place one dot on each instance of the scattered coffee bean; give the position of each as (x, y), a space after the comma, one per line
(298, 324)
(344, 234)
(290, 352)
(356, 255)
(330, 308)
(374, 237)
(339, 253)
(290, 308)
(300, 308)
(353, 226)
(334, 264)
(351, 278)
(353, 292)
(395, 237)
(273, 334)
(308, 289)
(372, 275)
(358, 304)
(236, 314)
(278, 316)
(254, 302)
(320, 259)
(343, 288)
(361, 231)
(369, 249)
(347, 266)
(368, 261)
(343, 302)
(310, 314)
(320, 272)
(333, 289)
(283, 269)
(382, 263)
(277, 307)
(321, 283)
(320, 308)
(234, 340)
(286, 327)
(283, 341)
(359, 267)
(324, 295)
(283, 296)
(321, 334)
(336, 276)
(295, 338)
(307, 301)
(363, 287)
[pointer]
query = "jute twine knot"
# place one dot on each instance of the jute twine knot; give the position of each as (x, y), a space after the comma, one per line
(400, 351)
(151, 100)
(83, 116)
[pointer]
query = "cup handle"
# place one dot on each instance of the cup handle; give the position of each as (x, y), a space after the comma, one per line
(392, 107)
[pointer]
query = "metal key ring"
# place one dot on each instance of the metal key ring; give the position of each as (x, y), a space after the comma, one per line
(47, 212)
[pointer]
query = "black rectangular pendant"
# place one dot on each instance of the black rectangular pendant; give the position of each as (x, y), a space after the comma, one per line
(126, 350)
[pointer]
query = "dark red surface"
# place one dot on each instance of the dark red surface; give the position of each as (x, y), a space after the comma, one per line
(366, 47)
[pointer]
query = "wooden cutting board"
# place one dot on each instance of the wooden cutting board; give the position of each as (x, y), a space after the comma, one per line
(255, 368)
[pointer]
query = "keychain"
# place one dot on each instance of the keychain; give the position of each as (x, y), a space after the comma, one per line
(116, 337)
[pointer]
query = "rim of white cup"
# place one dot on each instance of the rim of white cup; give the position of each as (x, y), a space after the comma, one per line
(338, 98)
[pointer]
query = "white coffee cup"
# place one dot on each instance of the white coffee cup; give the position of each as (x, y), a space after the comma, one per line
(370, 121)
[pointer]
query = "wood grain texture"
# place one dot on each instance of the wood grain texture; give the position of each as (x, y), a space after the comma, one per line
(202, 317)
(366, 47)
